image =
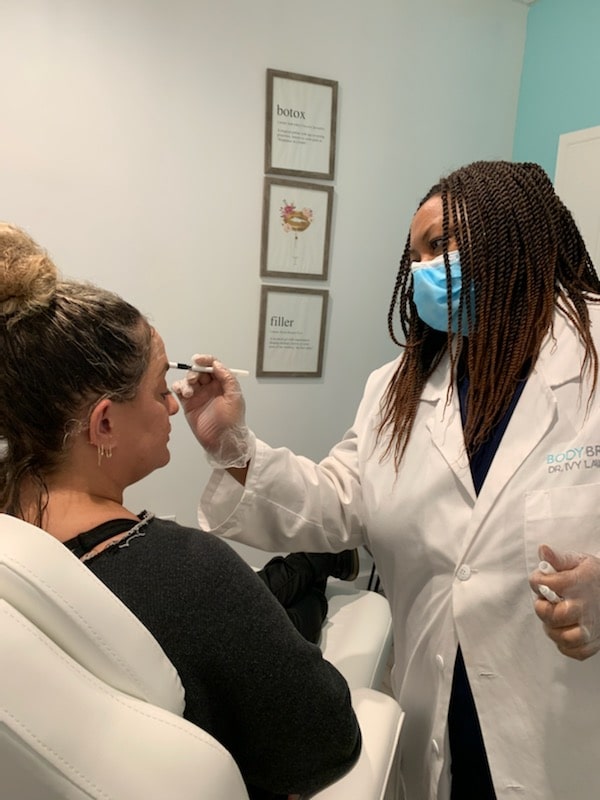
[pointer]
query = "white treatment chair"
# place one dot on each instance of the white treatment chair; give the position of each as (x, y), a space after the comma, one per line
(90, 707)
(357, 634)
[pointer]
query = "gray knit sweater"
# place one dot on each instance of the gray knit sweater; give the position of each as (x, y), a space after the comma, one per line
(250, 679)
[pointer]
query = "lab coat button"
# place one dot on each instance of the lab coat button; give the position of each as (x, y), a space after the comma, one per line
(439, 661)
(435, 747)
(464, 572)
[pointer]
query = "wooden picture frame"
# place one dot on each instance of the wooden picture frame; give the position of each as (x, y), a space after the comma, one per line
(296, 229)
(301, 120)
(291, 337)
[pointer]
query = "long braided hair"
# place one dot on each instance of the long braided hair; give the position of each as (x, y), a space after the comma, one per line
(522, 252)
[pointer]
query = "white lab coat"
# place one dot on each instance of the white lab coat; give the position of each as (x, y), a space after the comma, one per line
(454, 566)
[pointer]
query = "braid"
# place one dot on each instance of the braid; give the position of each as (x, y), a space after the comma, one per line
(398, 289)
(521, 250)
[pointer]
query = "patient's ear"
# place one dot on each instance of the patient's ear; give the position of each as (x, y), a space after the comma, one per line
(101, 426)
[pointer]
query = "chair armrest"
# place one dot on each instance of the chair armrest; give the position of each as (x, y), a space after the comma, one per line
(357, 634)
(380, 718)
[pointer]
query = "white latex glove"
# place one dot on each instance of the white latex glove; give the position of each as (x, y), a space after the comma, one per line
(568, 602)
(215, 410)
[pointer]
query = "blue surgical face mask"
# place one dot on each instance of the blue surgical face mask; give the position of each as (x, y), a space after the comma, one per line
(430, 293)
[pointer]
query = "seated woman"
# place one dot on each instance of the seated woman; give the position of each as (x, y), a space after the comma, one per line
(85, 412)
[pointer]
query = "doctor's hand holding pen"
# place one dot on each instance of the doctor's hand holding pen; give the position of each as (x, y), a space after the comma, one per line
(214, 407)
(568, 602)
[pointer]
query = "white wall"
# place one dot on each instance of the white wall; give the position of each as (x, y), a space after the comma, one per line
(132, 136)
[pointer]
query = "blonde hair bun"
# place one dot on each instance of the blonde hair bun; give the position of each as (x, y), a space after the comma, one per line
(28, 276)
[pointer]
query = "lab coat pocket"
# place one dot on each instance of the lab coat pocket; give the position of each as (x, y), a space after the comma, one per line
(567, 519)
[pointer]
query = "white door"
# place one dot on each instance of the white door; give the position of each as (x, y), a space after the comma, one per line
(577, 183)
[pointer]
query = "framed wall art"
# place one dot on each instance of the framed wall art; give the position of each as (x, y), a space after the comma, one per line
(296, 229)
(301, 117)
(291, 334)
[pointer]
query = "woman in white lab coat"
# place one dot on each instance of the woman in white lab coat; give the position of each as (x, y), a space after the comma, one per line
(473, 461)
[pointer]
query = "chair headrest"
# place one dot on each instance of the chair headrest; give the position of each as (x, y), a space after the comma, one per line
(52, 588)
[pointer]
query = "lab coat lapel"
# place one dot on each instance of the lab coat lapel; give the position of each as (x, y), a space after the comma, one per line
(445, 426)
(536, 413)
(559, 362)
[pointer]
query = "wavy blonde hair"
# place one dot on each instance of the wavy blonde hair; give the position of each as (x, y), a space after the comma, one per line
(64, 345)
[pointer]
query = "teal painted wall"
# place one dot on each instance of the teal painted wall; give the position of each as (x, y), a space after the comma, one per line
(560, 83)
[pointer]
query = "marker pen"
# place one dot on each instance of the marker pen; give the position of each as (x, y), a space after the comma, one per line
(196, 368)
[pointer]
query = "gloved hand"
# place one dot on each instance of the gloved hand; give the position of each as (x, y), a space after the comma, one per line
(215, 410)
(571, 615)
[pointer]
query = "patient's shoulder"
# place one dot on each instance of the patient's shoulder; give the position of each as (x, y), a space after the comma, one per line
(194, 547)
